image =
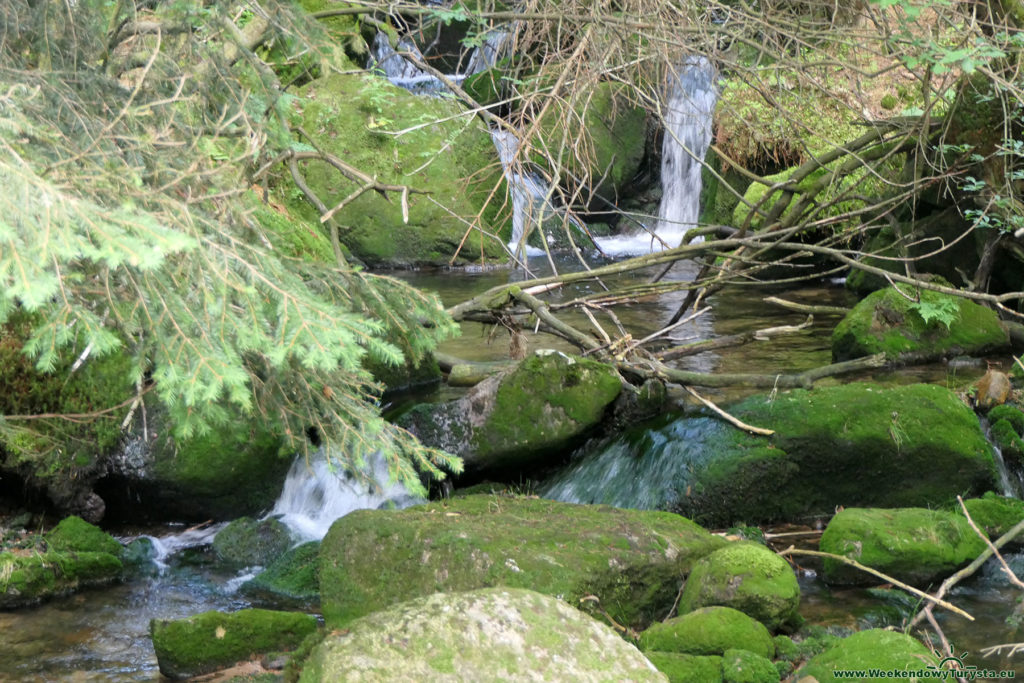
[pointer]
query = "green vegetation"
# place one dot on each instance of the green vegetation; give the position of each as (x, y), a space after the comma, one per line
(874, 649)
(708, 631)
(291, 578)
(686, 668)
(743, 666)
(995, 514)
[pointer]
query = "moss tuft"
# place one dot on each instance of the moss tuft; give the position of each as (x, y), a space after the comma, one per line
(75, 534)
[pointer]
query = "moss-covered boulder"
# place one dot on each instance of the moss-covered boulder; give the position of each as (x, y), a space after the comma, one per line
(708, 631)
(743, 666)
(873, 649)
(1006, 430)
(513, 420)
(448, 155)
(631, 561)
(924, 323)
(492, 634)
(236, 470)
(215, 640)
(914, 545)
(747, 577)
(681, 668)
(291, 578)
(995, 514)
(73, 555)
(247, 542)
(859, 444)
(613, 147)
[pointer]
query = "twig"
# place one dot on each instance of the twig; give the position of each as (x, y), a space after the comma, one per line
(729, 418)
(805, 308)
(885, 577)
(995, 551)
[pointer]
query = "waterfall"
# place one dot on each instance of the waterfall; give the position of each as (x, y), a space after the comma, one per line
(314, 495)
(688, 116)
(528, 191)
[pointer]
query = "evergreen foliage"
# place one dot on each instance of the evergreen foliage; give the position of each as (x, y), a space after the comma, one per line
(127, 139)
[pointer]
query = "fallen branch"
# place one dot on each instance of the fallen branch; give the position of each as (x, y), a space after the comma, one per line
(995, 551)
(885, 577)
(806, 308)
(729, 418)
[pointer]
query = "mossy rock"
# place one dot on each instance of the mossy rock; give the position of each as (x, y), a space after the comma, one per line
(681, 668)
(492, 634)
(1007, 426)
(995, 514)
(708, 631)
(747, 577)
(743, 666)
(453, 159)
(859, 444)
(75, 534)
(873, 649)
(914, 545)
(938, 325)
(215, 640)
(614, 143)
(516, 419)
(64, 458)
(631, 561)
(248, 542)
(29, 579)
(291, 578)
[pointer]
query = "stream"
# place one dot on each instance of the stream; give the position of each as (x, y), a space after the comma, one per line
(102, 634)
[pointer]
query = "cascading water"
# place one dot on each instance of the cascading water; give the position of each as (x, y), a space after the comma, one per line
(315, 495)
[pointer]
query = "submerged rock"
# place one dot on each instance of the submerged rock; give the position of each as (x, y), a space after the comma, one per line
(747, 577)
(248, 542)
(709, 631)
(914, 545)
(938, 325)
(513, 420)
(492, 634)
(858, 444)
(214, 640)
(627, 562)
(872, 649)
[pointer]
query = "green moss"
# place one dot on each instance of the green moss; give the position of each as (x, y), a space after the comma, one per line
(1010, 413)
(743, 666)
(74, 533)
(293, 236)
(1007, 438)
(374, 558)
(889, 102)
(292, 577)
(32, 578)
(348, 116)
(709, 631)
(888, 322)
(214, 640)
(858, 444)
(914, 545)
(681, 668)
(995, 514)
(251, 542)
(785, 648)
(872, 649)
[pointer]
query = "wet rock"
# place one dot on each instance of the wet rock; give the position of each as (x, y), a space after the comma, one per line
(492, 634)
(513, 420)
(627, 562)
(214, 640)
(872, 649)
(853, 445)
(248, 542)
(938, 326)
(747, 577)
(291, 578)
(709, 631)
(915, 545)
(1006, 427)
(992, 389)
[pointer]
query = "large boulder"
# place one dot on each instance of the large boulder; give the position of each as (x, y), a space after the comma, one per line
(747, 577)
(708, 631)
(290, 579)
(73, 555)
(511, 421)
(914, 545)
(451, 157)
(493, 634)
(854, 445)
(248, 542)
(937, 325)
(875, 649)
(629, 563)
(215, 640)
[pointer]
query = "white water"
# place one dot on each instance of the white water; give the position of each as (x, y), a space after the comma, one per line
(165, 546)
(314, 495)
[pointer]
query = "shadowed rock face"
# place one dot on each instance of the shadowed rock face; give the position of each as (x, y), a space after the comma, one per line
(493, 634)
